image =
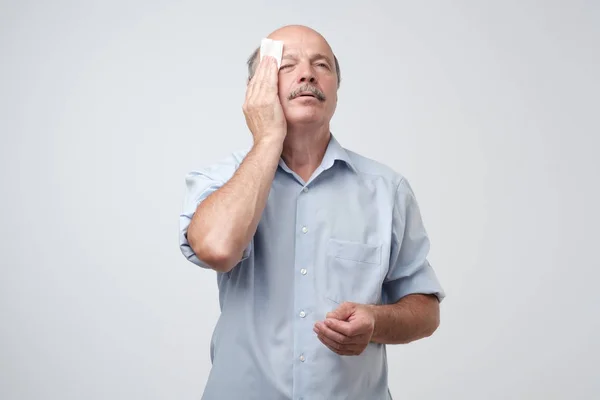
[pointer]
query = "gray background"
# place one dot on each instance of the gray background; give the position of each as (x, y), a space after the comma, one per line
(489, 109)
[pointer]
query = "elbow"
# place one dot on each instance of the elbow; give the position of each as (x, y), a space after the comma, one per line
(432, 327)
(434, 321)
(219, 263)
(217, 256)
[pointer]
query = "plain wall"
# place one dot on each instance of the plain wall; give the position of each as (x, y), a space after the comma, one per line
(490, 109)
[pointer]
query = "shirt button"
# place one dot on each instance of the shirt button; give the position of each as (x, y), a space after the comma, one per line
(304, 229)
(303, 271)
(305, 189)
(302, 314)
(302, 358)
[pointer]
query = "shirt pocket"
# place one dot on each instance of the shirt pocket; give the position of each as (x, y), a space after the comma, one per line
(354, 272)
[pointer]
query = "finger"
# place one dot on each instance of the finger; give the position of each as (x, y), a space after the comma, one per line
(272, 74)
(343, 312)
(257, 78)
(343, 340)
(337, 337)
(269, 75)
(263, 70)
(345, 328)
(342, 350)
(333, 346)
(265, 86)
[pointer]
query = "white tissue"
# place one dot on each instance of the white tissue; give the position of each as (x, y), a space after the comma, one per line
(273, 48)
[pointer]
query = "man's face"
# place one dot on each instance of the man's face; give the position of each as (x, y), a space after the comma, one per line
(307, 77)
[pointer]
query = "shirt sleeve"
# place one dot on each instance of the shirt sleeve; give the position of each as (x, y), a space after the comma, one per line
(409, 272)
(198, 186)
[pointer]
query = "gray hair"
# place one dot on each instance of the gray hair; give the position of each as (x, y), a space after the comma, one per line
(253, 63)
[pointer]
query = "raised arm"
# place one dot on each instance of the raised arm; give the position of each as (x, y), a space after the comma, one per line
(225, 222)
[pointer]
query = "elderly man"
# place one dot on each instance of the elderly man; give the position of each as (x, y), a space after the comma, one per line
(320, 253)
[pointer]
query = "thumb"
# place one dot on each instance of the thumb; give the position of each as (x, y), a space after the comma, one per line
(343, 312)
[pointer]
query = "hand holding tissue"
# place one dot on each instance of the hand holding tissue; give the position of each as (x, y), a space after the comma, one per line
(262, 108)
(273, 48)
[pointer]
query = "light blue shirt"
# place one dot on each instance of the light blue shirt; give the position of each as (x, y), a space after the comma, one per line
(353, 232)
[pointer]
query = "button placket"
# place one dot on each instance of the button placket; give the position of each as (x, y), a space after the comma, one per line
(303, 299)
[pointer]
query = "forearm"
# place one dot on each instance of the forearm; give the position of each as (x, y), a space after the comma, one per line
(225, 222)
(413, 317)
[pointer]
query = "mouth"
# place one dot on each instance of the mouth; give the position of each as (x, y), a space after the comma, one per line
(307, 92)
(308, 95)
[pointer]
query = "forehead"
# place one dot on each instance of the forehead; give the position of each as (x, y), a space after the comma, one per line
(303, 43)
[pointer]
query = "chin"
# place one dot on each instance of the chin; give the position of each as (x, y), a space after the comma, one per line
(306, 116)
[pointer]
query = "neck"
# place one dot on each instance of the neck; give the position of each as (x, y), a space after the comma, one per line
(304, 148)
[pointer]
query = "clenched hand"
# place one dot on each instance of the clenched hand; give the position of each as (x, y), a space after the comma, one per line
(347, 330)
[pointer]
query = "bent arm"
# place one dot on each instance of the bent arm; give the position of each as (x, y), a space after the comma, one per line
(225, 222)
(413, 317)
(411, 293)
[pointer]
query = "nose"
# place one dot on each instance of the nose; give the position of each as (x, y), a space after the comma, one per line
(307, 74)
(308, 78)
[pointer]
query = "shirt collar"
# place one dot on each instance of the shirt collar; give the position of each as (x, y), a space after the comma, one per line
(335, 152)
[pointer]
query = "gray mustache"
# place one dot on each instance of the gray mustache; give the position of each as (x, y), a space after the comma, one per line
(307, 88)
